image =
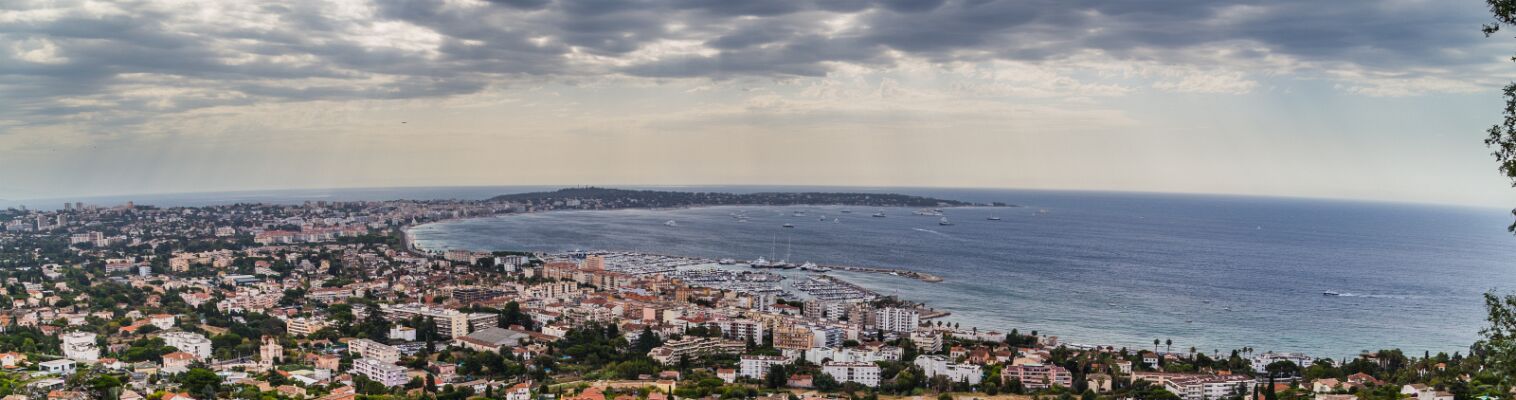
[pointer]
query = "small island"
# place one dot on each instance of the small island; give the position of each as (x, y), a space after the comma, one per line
(608, 198)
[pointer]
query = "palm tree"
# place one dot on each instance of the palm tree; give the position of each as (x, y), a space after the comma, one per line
(1155, 345)
(1192, 352)
(1170, 345)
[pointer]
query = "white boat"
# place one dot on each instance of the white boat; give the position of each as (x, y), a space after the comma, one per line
(789, 225)
(671, 223)
(879, 214)
(944, 222)
(993, 218)
(759, 263)
(726, 261)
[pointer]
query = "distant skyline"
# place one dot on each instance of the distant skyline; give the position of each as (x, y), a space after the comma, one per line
(1376, 100)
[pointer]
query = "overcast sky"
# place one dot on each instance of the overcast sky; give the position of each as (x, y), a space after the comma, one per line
(1374, 99)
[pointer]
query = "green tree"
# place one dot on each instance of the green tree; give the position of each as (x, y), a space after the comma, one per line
(776, 377)
(200, 382)
(1497, 347)
(1502, 136)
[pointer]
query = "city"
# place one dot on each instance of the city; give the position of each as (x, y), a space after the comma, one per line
(329, 300)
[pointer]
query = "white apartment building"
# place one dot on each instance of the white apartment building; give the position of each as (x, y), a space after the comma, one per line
(370, 349)
(389, 375)
(80, 346)
(757, 367)
(452, 323)
(891, 319)
(1261, 361)
(304, 326)
(927, 340)
(1209, 387)
(193, 343)
(866, 374)
(742, 329)
(934, 365)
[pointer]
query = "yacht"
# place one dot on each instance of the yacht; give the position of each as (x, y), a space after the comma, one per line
(671, 223)
(993, 218)
(944, 222)
(726, 261)
(759, 263)
(789, 225)
(879, 214)
(1330, 293)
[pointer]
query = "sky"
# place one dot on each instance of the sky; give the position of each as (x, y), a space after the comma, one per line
(1374, 99)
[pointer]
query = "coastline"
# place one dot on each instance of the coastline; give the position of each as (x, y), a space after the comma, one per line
(1214, 325)
(411, 245)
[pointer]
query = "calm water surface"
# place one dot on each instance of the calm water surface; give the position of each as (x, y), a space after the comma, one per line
(1206, 271)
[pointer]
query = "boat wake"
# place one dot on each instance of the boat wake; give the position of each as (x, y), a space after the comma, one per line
(1380, 295)
(931, 232)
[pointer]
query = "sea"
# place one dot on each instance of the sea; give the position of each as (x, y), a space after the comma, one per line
(1210, 272)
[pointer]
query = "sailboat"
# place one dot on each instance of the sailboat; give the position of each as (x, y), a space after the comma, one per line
(784, 263)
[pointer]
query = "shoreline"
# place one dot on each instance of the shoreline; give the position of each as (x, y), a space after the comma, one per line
(410, 241)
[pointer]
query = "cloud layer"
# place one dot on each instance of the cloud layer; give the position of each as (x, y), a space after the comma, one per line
(109, 65)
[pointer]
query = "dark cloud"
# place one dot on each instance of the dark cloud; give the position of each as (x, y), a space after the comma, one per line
(311, 50)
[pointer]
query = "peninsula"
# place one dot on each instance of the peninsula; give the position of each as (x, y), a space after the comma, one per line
(608, 198)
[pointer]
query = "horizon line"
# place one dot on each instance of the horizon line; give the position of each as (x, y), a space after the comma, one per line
(20, 202)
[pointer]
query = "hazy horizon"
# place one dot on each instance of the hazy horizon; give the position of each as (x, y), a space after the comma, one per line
(283, 195)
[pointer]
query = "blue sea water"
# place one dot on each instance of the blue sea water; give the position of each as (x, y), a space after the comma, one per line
(1212, 272)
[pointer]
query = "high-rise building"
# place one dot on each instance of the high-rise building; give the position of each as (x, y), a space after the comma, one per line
(893, 319)
(594, 262)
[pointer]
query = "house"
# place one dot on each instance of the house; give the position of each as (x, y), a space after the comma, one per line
(177, 396)
(1363, 379)
(177, 359)
(12, 359)
(728, 375)
(802, 381)
(1100, 383)
(521, 391)
(58, 367)
(1326, 385)
(1423, 392)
